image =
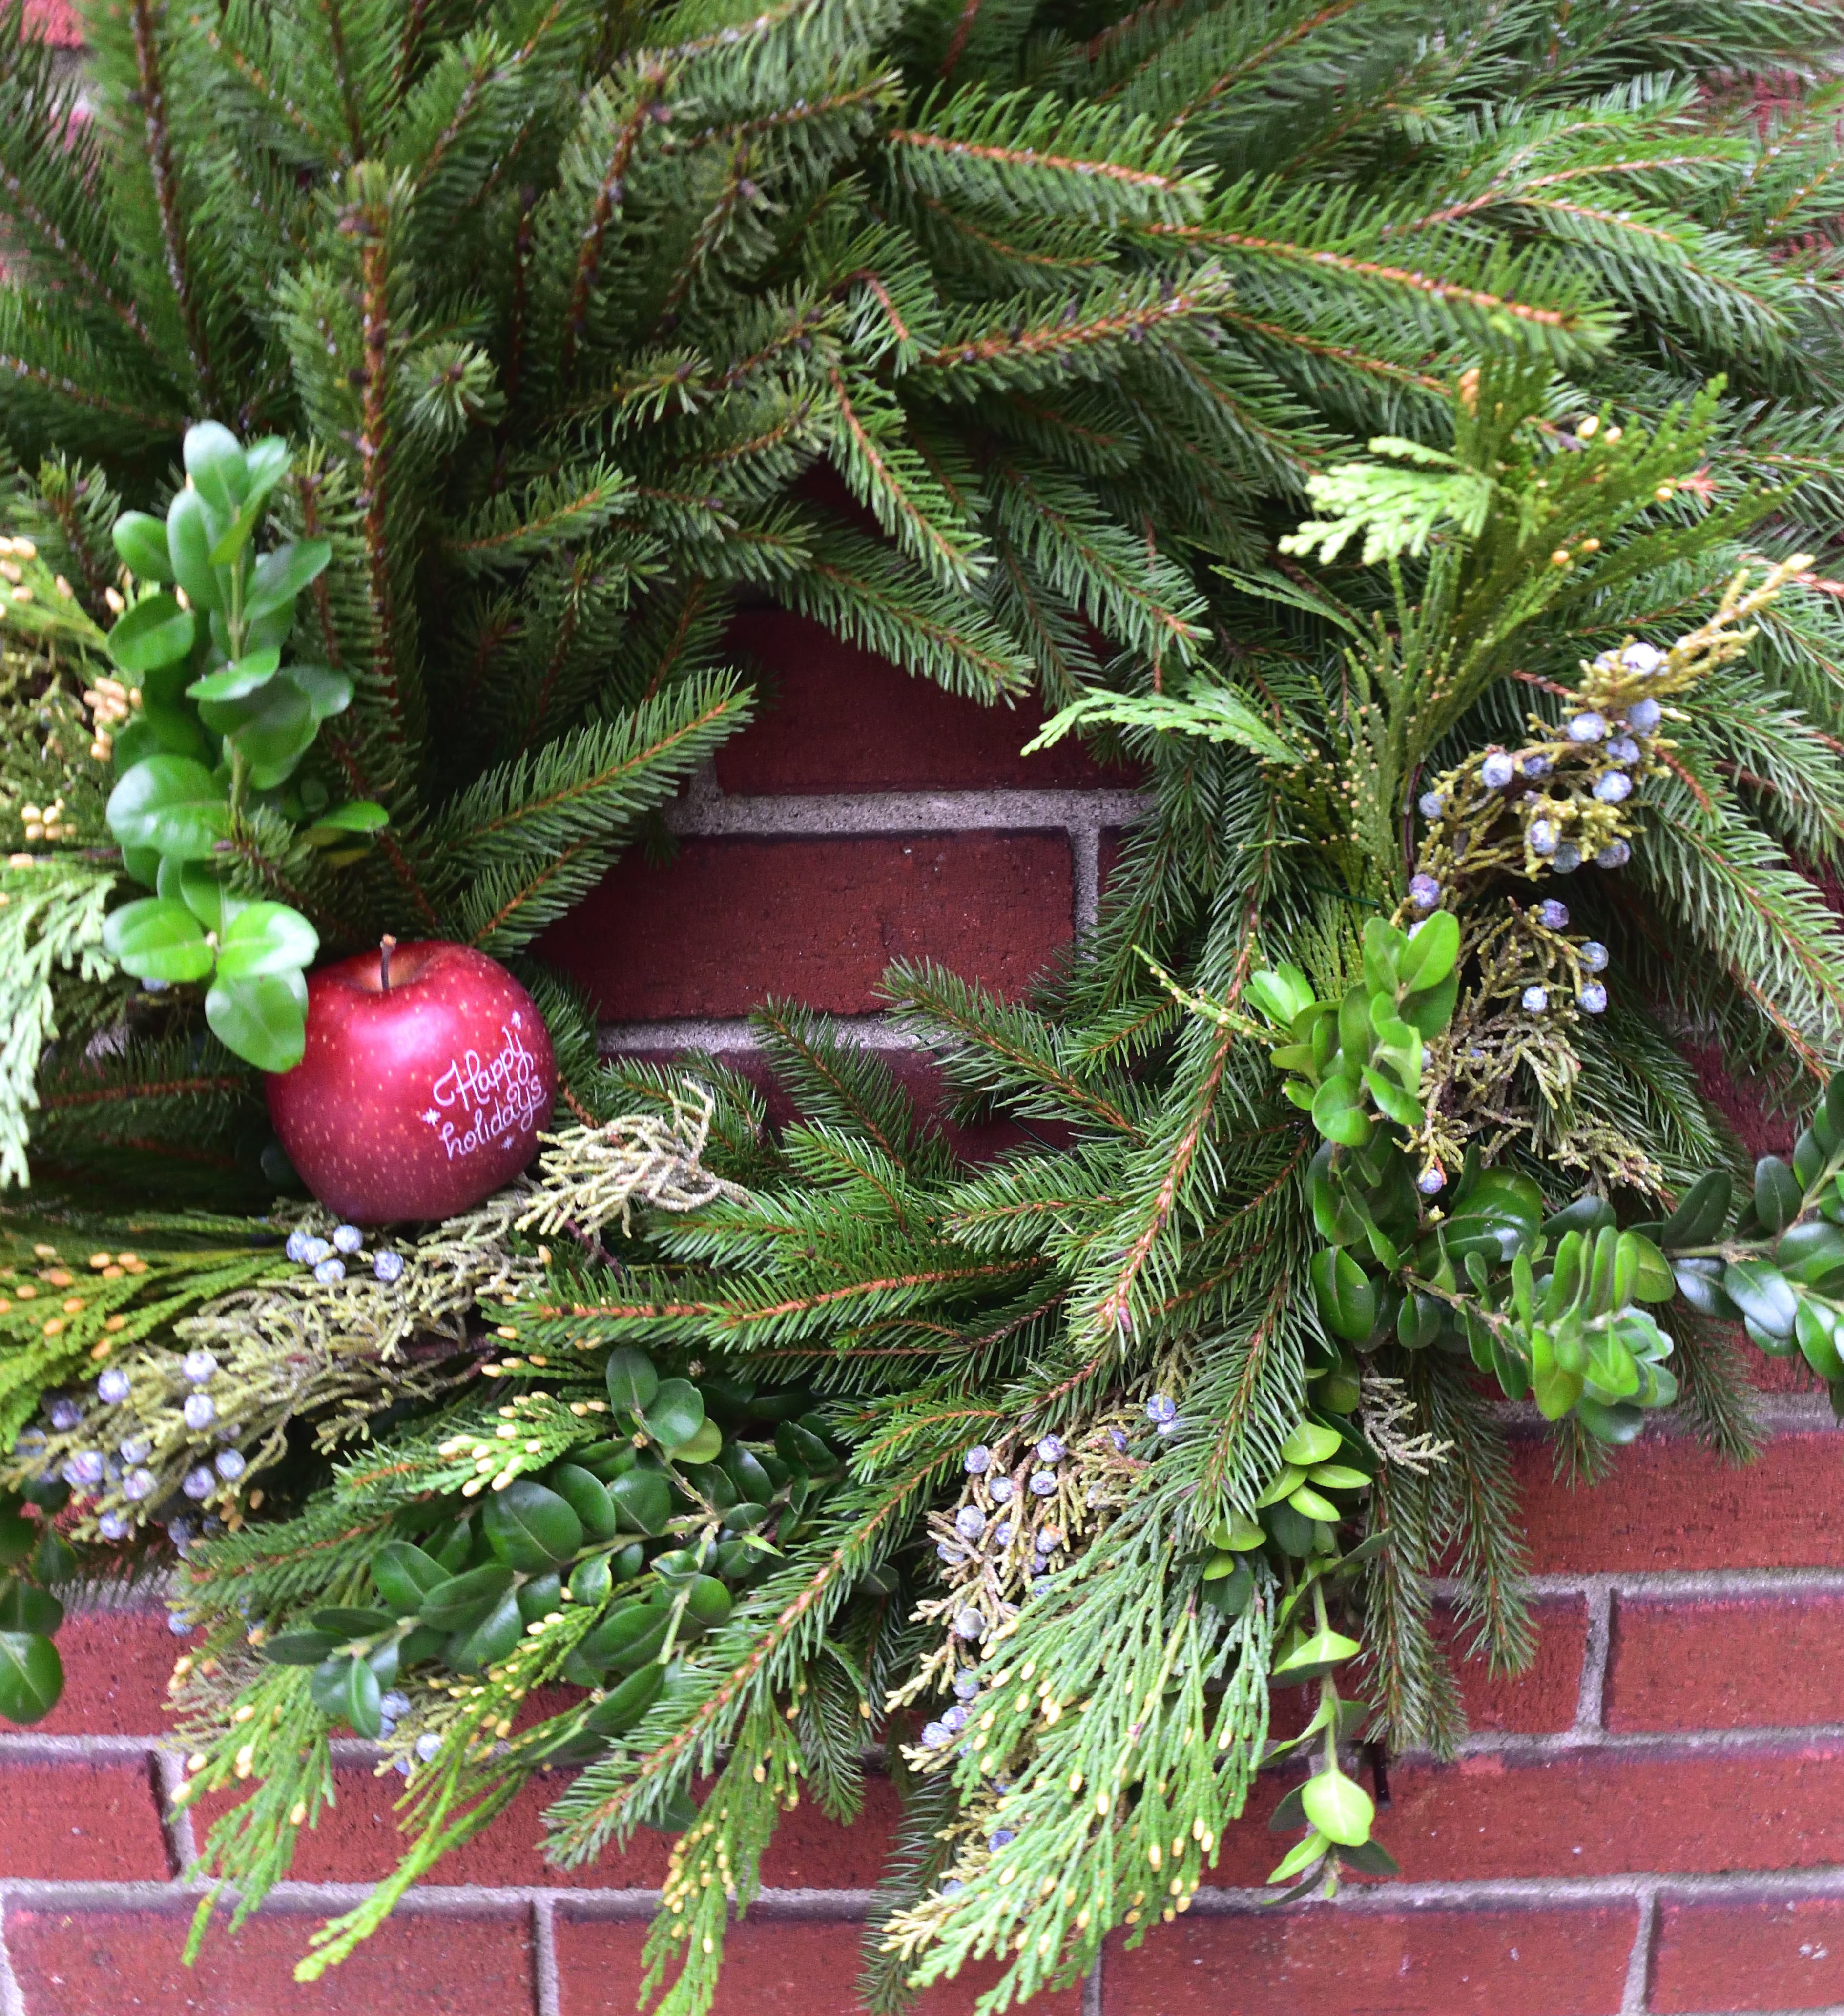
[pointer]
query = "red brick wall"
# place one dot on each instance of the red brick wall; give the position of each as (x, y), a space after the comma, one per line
(1653, 1821)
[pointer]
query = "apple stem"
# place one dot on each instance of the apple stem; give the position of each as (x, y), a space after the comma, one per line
(387, 945)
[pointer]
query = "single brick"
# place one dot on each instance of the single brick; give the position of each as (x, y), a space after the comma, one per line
(1539, 1702)
(117, 1664)
(109, 1962)
(1736, 1663)
(1326, 1960)
(730, 922)
(1585, 1813)
(833, 718)
(358, 1840)
(771, 1967)
(1601, 1814)
(1669, 1504)
(1741, 1952)
(79, 1822)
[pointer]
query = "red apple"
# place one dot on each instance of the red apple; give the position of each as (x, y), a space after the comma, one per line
(427, 1074)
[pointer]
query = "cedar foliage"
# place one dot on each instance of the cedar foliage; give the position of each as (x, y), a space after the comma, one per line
(1078, 302)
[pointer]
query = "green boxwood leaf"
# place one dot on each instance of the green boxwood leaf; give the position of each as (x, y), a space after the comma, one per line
(214, 461)
(624, 1706)
(31, 1677)
(281, 575)
(1762, 1294)
(190, 537)
(489, 1641)
(463, 1599)
(1339, 1807)
(631, 1637)
(1777, 1194)
(171, 804)
(530, 1527)
(675, 1414)
(156, 631)
(25, 1608)
(266, 938)
(633, 1381)
(347, 1689)
(141, 540)
(263, 1020)
(345, 1624)
(1345, 1295)
(587, 1496)
(300, 1648)
(154, 939)
(240, 678)
(643, 1501)
(1433, 951)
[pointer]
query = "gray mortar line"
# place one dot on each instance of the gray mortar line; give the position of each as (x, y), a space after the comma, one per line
(1591, 1702)
(13, 1999)
(711, 813)
(547, 1997)
(1715, 1584)
(721, 1035)
(1094, 1987)
(1639, 1962)
(175, 1819)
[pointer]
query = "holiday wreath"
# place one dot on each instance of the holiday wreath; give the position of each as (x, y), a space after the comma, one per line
(1403, 443)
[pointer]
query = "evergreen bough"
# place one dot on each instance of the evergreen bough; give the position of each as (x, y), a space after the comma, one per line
(1387, 437)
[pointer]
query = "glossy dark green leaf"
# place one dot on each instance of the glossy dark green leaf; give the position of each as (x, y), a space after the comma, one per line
(344, 1624)
(281, 575)
(1346, 1295)
(1816, 1328)
(633, 1381)
(18, 1536)
(1777, 1195)
(263, 1020)
(709, 1602)
(154, 939)
(590, 1581)
(156, 631)
(624, 1706)
(643, 1501)
(1702, 1212)
(171, 804)
(404, 1575)
(31, 1677)
(190, 537)
(530, 1527)
(53, 1558)
(488, 1642)
(300, 1648)
(347, 1689)
(632, 1636)
(463, 1599)
(1583, 1214)
(1809, 1251)
(25, 1608)
(1762, 1294)
(587, 1496)
(540, 1597)
(675, 1414)
(141, 540)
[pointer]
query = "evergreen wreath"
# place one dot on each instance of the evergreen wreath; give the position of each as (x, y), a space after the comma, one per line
(1408, 447)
